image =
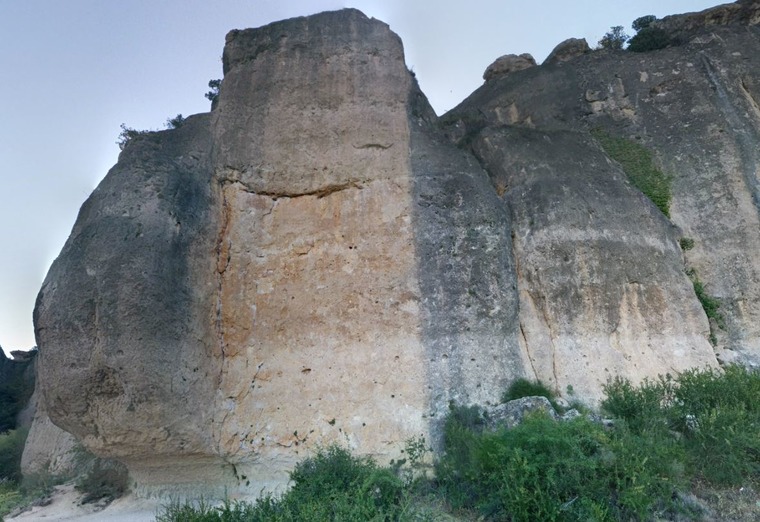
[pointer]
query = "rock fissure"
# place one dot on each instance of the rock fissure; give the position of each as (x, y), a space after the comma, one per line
(748, 150)
(320, 192)
(753, 103)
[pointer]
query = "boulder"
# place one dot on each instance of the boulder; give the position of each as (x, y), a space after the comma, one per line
(567, 50)
(507, 64)
(512, 413)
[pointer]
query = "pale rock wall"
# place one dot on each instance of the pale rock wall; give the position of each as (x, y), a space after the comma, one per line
(318, 319)
(695, 106)
(314, 262)
(309, 264)
(600, 275)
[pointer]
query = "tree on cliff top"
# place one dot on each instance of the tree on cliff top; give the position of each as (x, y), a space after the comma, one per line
(614, 39)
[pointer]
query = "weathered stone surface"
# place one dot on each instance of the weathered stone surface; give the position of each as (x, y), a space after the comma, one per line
(507, 64)
(599, 272)
(684, 27)
(314, 262)
(348, 273)
(695, 107)
(567, 50)
(466, 273)
(123, 314)
(49, 451)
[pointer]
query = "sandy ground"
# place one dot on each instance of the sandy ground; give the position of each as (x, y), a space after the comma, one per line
(65, 506)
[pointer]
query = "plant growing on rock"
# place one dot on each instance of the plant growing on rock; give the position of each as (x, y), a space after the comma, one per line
(127, 134)
(647, 37)
(638, 164)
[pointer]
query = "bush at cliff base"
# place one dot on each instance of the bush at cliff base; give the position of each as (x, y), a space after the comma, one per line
(702, 427)
(333, 485)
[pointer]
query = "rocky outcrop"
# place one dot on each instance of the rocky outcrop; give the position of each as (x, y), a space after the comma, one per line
(309, 264)
(567, 50)
(695, 108)
(684, 27)
(508, 63)
(321, 260)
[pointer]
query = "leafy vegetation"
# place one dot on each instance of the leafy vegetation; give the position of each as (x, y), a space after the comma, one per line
(647, 37)
(668, 434)
(101, 479)
(686, 243)
(10, 497)
(213, 94)
(332, 485)
(548, 470)
(643, 22)
(127, 134)
(614, 39)
(11, 448)
(176, 122)
(638, 164)
(714, 414)
(14, 395)
(710, 305)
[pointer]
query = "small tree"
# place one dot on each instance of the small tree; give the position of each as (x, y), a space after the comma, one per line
(127, 134)
(213, 94)
(176, 122)
(614, 39)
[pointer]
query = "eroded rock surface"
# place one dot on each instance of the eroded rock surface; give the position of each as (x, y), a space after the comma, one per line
(320, 260)
(695, 106)
(311, 263)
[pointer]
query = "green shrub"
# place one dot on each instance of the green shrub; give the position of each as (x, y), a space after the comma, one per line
(549, 470)
(176, 122)
(649, 39)
(686, 243)
(709, 303)
(643, 22)
(332, 485)
(719, 416)
(10, 497)
(99, 478)
(11, 448)
(702, 425)
(525, 388)
(642, 407)
(715, 416)
(639, 167)
(14, 395)
(614, 39)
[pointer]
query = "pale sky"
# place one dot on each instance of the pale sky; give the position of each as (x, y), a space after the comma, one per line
(74, 70)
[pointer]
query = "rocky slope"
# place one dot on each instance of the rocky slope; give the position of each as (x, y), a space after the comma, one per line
(320, 259)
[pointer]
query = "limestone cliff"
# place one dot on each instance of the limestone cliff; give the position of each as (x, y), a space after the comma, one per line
(321, 260)
(695, 106)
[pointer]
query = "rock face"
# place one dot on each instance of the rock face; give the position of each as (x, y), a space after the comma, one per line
(322, 260)
(310, 263)
(695, 107)
(507, 64)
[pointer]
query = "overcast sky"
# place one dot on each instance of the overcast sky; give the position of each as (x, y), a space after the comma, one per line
(72, 71)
